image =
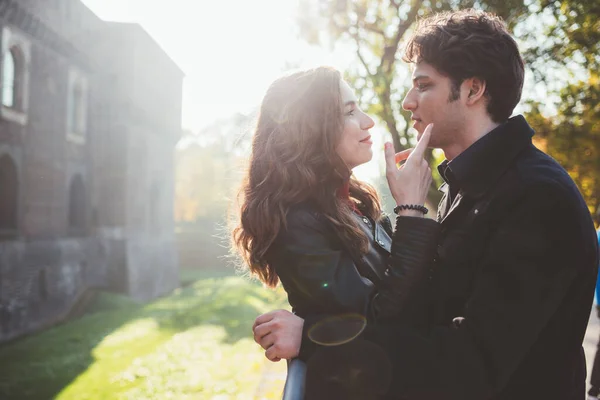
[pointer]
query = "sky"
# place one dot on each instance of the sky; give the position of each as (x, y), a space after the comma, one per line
(230, 51)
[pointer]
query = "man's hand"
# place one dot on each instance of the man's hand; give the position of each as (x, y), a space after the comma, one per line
(410, 183)
(279, 332)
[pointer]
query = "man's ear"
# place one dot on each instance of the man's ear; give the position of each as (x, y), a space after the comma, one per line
(476, 89)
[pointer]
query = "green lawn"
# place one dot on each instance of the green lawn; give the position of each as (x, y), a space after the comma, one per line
(194, 344)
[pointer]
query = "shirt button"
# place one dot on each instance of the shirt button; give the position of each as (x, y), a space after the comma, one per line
(366, 220)
(380, 242)
(476, 212)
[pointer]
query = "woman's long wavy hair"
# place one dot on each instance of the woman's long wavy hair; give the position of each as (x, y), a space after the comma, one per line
(294, 160)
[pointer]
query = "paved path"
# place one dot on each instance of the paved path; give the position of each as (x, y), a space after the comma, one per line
(591, 338)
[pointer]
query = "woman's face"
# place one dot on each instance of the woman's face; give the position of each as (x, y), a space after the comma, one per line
(355, 147)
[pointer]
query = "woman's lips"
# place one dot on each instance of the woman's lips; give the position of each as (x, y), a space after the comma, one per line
(367, 140)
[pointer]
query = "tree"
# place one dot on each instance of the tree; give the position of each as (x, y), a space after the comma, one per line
(376, 28)
(572, 136)
(208, 168)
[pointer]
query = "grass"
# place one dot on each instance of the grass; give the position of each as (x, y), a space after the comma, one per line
(194, 344)
(190, 275)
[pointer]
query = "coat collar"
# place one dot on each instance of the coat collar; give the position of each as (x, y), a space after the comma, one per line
(478, 168)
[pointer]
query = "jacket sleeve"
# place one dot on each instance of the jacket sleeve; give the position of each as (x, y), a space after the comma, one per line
(324, 285)
(528, 268)
(414, 244)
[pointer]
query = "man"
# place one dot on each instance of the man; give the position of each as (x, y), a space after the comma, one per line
(513, 281)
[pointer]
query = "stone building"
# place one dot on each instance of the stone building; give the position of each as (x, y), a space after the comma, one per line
(89, 117)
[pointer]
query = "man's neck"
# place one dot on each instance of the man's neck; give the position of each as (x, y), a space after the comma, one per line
(473, 131)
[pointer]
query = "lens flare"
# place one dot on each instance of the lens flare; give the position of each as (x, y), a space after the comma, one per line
(337, 330)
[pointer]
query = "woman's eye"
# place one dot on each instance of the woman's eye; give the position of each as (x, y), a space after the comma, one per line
(351, 112)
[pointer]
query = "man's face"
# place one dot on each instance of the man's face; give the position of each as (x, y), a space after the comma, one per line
(431, 100)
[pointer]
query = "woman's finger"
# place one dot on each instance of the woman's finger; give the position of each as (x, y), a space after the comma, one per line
(403, 155)
(261, 331)
(390, 163)
(263, 318)
(271, 354)
(267, 341)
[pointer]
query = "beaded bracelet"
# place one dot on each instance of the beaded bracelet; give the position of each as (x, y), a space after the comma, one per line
(415, 207)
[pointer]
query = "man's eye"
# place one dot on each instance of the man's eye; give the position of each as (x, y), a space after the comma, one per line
(422, 86)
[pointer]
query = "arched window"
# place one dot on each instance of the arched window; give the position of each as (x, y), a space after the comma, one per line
(77, 205)
(9, 191)
(14, 75)
(11, 69)
(77, 112)
(77, 106)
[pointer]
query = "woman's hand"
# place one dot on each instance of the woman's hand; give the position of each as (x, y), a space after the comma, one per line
(410, 182)
(279, 332)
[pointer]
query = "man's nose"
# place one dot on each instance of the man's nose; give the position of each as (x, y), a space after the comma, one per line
(409, 103)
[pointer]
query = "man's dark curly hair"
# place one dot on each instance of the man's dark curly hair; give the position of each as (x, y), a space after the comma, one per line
(467, 44)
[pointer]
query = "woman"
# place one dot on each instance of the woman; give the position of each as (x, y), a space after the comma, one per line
(305, 220)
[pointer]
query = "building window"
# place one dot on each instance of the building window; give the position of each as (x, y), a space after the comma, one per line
(77, 113)
(77, 205)
(9, 194)
(8, 80)
(77, 107)
(15, 76)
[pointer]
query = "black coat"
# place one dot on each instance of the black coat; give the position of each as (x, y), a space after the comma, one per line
(513, 282)
(343, 295)
(505, 307)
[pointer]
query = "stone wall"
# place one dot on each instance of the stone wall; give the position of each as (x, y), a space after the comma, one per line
(41, 280)
(123, 157)
(152, 266)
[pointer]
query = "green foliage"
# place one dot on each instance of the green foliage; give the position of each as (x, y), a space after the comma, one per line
(195, 343)
(570, 36)
(561, 38)
(208, 169)
(573, 135)
(376, 29)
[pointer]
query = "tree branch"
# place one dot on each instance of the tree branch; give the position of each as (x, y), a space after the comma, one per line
(371, 27)
(389, 53)
(356, 38)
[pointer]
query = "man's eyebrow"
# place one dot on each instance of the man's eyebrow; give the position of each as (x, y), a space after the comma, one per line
(418, 77)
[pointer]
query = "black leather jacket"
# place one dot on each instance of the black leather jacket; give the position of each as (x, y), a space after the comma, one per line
(324, 277)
